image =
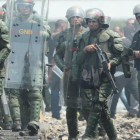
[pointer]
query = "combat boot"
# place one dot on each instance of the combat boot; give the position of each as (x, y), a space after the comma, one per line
(16, 125)
(33, 128)
(74, 138)
(30, 130)
(8, 126)
(7, 123)
(25, 132)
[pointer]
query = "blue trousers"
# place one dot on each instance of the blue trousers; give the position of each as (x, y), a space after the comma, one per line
(55, 104)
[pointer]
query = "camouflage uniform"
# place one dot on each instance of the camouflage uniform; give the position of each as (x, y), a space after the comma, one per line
(7, 118)
(28, 99)
(4, 52)
(111, 43)
(64, 59)
(69, 86)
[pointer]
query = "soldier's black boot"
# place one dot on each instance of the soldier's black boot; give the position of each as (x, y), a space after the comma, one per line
(71, 117)
(93, 136)
(33, 128)
(25, 132)
(8, 126)
(30, 130)
(16, 125)
(7, 123)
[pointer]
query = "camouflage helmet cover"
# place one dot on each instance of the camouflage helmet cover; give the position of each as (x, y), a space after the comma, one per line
(74, 11)
(136, 10)
(95, 14)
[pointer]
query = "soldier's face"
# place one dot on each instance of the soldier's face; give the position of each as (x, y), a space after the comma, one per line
(75, 20)
(93, 24)
(25, 9)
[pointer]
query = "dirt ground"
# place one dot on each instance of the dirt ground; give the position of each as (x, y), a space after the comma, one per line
(53, 129)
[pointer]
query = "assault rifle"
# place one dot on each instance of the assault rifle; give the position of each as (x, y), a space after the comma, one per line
(105, 60)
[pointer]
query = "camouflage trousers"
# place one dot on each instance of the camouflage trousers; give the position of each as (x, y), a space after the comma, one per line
(71, 117)
(5, 118)
(13, 97)
(86, 95)
(25, 106)
(30, 105)
(99, 112)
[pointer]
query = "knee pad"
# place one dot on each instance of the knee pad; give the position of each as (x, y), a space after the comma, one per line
(35, 95)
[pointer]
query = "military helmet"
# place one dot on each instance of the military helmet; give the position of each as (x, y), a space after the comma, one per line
(95, 14)
(136, 11)
(29, 3)
(74, 11)
(107, 21)
(4, 5)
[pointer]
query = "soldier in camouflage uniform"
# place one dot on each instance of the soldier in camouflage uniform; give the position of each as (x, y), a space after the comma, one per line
(136, 48)
(111, 43)
(5, 120)
(30, 99)
(65, 54)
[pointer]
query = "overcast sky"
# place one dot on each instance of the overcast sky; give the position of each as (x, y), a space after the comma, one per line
(117, 9)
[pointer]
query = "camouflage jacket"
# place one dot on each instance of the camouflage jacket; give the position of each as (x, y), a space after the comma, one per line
(65, 51)
(109, 41)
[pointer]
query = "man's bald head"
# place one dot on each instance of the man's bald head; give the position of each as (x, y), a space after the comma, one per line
(60, 24)
(119, 30)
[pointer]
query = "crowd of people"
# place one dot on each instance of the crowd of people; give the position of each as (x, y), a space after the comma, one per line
(96, 62)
